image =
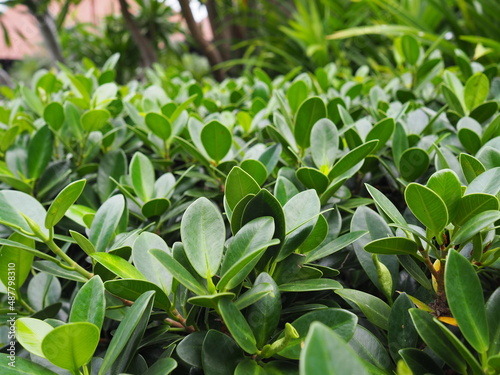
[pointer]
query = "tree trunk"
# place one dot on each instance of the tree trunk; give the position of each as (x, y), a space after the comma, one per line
(210, 51)
(49, 33)
(148, 54)
(220, 30)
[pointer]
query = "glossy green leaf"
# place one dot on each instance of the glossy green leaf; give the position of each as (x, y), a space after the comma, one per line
(316, 357)
(324, 144)
(83, 242)
(411, 49)
(216, 139)
(106, 221)
(476, 90)
(53, 115)
(265, 204)
(446, 184)
(220, 354)
(401, 334)
(249, 367)
(310, 285)
(255, 169)
(436, 340)
(492, 311)
(155, 207)
(63, 202)
(385, 205)
(179, 272)
(461, 348)
(474, 225)
(89, 304)
(334, 246)
(189, 349)
(33, 101)
(244, 251)
(486, 183)
(131, 290)
(469, 134)
(118, 266)
(238, 185)
(392, 245)
(148, 264)
(309, 112)
(427, 207)
(72, 345)
(128, 335)
(264, 315)
(413, 163)
(284, 190)
(237, 325)
(16, 264)
(143, 176)
(163, 366)
(375, 310)
(23, 366)
(351, 162)
(473, 204)
(312, 179)
(316, 237)
(112, 165)
(342, 322)
(203, 235)
(40, 152)
(16, 204)
(381, 131)
(95, 119)
(419, 362)
(296, 94)
(159, 125)
(465, 298)
(30, 334)
(369, 348)
(210, 301)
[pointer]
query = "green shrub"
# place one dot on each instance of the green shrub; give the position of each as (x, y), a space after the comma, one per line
(329, 223)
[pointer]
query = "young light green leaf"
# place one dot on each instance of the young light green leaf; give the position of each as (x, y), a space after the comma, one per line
(71, 345)
(30, 334)
(324, 144)
(118, 265)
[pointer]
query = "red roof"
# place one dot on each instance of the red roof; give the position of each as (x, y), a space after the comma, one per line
(23, 29)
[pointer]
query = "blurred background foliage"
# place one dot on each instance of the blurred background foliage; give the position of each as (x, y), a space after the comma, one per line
(238, 35)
